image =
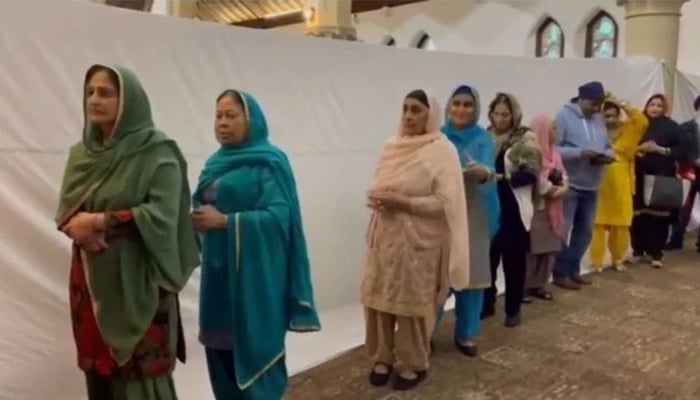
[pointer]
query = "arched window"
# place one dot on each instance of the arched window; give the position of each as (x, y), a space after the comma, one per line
(601, 36)
(425, 42)
(389, 41)
(550, 40)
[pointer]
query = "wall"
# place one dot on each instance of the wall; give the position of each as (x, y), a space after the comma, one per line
(689, 41)
(468, 27)
(484, 27)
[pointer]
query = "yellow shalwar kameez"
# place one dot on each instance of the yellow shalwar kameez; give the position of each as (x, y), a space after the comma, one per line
(614, 210)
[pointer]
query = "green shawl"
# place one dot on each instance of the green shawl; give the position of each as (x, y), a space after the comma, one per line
(143, 170)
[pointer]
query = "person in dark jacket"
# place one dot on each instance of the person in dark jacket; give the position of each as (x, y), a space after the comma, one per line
(691, 130)
(660, 153)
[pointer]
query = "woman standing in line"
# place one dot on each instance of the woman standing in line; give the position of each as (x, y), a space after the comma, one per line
(475, 147)
(256, 282)
(417, 237)
(125, 204)
(614, 209)
(546, 233)
(518, 163)
(660, 152)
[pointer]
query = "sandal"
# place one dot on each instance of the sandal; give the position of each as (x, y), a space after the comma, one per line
(378, 379)
(543, 294)
(402, 384)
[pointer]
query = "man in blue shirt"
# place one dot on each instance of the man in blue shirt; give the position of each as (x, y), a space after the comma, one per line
(585, 149)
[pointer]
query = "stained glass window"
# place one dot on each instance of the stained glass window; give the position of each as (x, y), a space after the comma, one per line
(425, 43)
(550, 40)
(601, 37)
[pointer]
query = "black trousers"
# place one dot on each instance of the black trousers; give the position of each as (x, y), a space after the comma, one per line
(678, 229)
(510, 245)
(649, 234)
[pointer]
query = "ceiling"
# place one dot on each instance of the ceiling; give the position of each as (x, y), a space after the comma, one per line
(266, 14)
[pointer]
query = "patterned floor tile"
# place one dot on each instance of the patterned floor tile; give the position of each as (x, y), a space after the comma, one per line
(631, 336)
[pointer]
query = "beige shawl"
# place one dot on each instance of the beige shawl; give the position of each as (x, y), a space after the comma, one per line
(404, 159)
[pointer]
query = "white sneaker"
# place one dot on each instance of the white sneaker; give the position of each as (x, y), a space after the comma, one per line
(657, 264)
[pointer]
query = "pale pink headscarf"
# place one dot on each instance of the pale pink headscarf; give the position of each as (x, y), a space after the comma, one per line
(407, 158)
(541, 125)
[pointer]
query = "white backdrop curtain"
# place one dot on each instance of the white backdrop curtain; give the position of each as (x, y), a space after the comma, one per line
(330, 105)
(687, 89)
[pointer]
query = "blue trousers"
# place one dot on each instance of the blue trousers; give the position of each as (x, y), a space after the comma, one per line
(579, 216)
(468, 304)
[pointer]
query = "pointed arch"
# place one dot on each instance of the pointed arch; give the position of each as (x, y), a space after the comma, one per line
(549, 42)
(423, 41)
(602, 35)
(389, 41)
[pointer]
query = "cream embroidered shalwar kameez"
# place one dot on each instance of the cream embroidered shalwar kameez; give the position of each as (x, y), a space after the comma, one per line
(414, 258)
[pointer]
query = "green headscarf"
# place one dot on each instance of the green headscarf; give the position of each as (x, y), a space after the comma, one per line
(141, 169)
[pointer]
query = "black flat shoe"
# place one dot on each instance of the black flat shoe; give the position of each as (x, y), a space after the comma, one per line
(543, 294)
(512, 322)
(469, 350)
(378, 379)
(527, 300)
(402, 384)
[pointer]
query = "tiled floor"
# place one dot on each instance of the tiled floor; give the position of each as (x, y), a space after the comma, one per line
(631, 336)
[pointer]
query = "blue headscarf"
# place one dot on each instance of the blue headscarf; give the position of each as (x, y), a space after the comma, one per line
(479, 145)
(258, 151)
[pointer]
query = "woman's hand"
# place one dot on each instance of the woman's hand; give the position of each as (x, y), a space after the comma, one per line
(558, 192)
(207, 218)
(82, 225)
(649, 147)
(94, 243)
(476, 172)
(387, 200)
(88, 231)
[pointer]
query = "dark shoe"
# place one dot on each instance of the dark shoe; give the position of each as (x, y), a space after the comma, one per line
(513, 321)
(401, 383)
(567, 284)
(582, 280)
(673, 245)
(527, 299)
(542, 294)
(469, 350)
(378, 379)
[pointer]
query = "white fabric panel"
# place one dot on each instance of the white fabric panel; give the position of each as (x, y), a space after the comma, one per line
(687, 89)
(330, 105)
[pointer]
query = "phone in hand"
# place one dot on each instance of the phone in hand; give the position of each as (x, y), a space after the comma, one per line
(602, 159)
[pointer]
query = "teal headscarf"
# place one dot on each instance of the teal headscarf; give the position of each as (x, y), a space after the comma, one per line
(479, 145)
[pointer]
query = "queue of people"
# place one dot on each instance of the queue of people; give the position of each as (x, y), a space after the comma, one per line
(534, 195)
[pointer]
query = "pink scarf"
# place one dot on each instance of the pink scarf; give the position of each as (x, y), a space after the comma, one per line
(541, 125)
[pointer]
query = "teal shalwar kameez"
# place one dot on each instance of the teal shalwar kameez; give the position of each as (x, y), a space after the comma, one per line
(475, 144)
(255, 283)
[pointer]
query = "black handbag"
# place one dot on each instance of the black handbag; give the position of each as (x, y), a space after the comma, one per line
(666, 193)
